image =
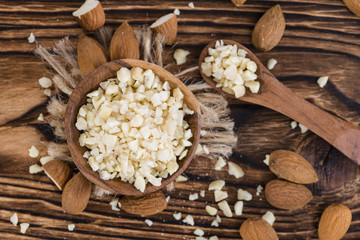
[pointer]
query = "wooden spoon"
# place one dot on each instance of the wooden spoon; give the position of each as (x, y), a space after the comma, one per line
(274, 95)
(78, 98)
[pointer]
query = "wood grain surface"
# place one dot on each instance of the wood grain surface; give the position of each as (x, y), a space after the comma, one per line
(321, 38)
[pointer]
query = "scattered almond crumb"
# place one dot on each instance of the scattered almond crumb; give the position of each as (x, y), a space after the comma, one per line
(193, 196)
(170, 187)
(177, 12)
(244, 195)
(24, 227)
(206, 150)
(200, 238)
(238, 207)
(181, 178)
(322, 81)
(177, 216)
(199, 149)
(211, 210)
(191, 5)
(47, 92)
(224, 206)
(220, 195)
(31, 38)
(35, 168)
(269, 217)
(259, 190)
(271, 63)
(267, 159)
(180, 56)
(213, 238)
(235, 170)
(215, 223)
(303, 128)
(114, 204)
(203, 133)
(189, 220)
(216, 185)
(293, 124)
(40, 117)
(33, 152)
(167, 199)
(218, 219)
(14, 219)
(45, 82)
(202, 193)
(71, 227)
(149, 222)
(199, 232)
(220, 164)
(46, 159)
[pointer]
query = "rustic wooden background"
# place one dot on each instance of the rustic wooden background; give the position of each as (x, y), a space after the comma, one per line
(322, 37)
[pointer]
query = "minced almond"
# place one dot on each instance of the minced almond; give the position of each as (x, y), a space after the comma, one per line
(216, 185)
(244, 195)
(238, 207)
(220, 195)
(224, 206)
(35, 168)
(149, 222)
(220, 164)
(14, 219)
(271, 63)
(177, 216)
(33, 152)
(189, 220)
(322, 81)
(71, 227)
(180, 56)
(303, 128)
(199, 232)
(181, 178)
(235, 170)
(211, 210)
(24, 227)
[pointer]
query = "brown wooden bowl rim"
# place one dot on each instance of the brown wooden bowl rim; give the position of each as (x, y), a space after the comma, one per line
(72, 111)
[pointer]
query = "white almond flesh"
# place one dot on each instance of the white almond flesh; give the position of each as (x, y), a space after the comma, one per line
(24, 227)
(202, 193)
(180, 56)
(235, 170)
(189, 220)
(87, 6)
(177, 216)
(216, 185)
(35, 168)
(269, 217)
(33, 152)
(219, 164)
(181, 178)
(199, 232)
(177, 12)
(271, 63)
(193, 196)
(267, 159)
(293, 124)
(114, 204)
(244, 195)
(44, 160)
(224, 206)
(71, 227)
(31, 38)
(45, 82)
(218, 218)
(14, 219)
(213, 238)
(259, 190)
(303, 128)
(322, 81)
(220, 195)
(47, 92)
(238, 207)
(191, 5)
(211, 210)
(149, 222)
(215, 223)
(40, 117)
(162, 20)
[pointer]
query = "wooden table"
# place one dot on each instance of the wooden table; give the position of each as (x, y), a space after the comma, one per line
(322, 38)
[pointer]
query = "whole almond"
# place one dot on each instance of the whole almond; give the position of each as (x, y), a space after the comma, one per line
(354, 6)
(90, 18)
(238, 3)
(334, 222)
(257, 229)
(58, 171)
(292, 167)
(148, 204)
(76, 194)
(285, 195)
(166, 26)
(269, 29)
(90, 54)
(124, 43)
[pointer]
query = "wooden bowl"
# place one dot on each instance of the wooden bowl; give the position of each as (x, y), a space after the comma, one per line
(78, 98)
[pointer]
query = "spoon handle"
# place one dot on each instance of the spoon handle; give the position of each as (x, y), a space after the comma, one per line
(341, 134)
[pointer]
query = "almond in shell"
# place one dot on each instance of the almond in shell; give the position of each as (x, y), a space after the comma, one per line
(334, 222)
(286, 195)
(76, 194)
(90, 54)
(269, 29)
(145, 205)
(257, 229)
(124, 43)
(166, 26)
(58, 171)
(90, 15)
(292, 167)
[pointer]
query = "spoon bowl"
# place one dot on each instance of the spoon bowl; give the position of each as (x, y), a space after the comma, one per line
(274, 95)
(78, 98)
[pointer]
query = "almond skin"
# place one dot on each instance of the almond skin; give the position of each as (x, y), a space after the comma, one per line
(354, 6)
(292, 167)
(269, 29)
(58, 171)
(93, 19)
(168, 29)
(257, 229)
(76, 194)
(238, 3)
(286, 195)
(334, 222)
(90, 54)
(145, 205)
(124, 43)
